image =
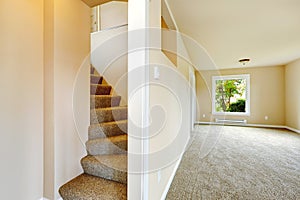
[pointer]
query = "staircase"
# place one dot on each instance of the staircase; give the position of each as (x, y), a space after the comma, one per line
(105, 166)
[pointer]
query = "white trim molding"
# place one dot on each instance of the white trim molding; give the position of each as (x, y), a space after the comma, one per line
(247, 95)
(293, 129)
(249, 125)
(164, 195)
(246, 125)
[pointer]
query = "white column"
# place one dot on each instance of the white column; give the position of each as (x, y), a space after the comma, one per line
(138, 99)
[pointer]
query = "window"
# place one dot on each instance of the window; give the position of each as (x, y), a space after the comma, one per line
(231, 95)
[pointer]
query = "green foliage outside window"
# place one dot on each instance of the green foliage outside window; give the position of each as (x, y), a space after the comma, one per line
(230, 95)
(239, 106)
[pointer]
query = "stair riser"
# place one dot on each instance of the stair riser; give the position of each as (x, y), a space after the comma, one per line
(96, 79)
(100, 90)
(107, 130)
(104, 171)
(104, 102)
(108, 115)
(106, 148)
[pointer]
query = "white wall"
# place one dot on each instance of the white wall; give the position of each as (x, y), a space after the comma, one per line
(292, 94)
(71, 47)
(113, 14)
(185, 67)
(170, 127)
(170, 107)
(24, 52)
(21, 99)
(49, 168)
(70, 43)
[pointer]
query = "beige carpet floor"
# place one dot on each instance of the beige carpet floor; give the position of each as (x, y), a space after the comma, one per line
(228, 162)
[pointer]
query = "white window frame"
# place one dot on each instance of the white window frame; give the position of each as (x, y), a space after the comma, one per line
(230, 77)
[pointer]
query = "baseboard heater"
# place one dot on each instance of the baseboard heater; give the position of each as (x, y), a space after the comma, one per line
(231, 121)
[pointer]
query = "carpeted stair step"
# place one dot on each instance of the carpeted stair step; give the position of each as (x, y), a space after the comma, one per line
(86, 187)
(104, 101)
(95, 79)
(92, 70)
(107, 129)
(112, 167)
(108, 114)
(100, 89)
(109, 145)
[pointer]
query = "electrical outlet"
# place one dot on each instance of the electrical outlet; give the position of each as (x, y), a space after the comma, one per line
(266, 117)
(203, 115)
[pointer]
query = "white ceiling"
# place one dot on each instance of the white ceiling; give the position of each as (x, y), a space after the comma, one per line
(266, 31)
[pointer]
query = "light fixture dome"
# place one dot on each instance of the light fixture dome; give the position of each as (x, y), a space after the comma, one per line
(244, 61)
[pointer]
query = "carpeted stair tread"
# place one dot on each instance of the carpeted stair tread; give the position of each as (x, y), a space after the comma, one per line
(100, 115)
(112, 167)
(96, 79)
(100, 89)
(109, 145)
(107, 129)
(104, 101)
(87, 187)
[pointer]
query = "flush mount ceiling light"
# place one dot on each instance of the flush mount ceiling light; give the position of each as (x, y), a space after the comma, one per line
(244, 61)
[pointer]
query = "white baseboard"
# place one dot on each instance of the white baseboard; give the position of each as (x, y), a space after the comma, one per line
(265, 126)
(164, 195)
(293, 129)
(250, 125)
(43, 198)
